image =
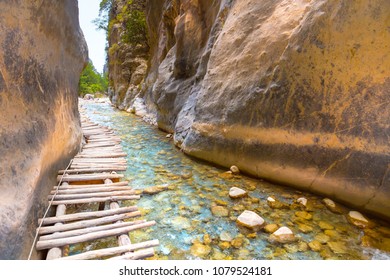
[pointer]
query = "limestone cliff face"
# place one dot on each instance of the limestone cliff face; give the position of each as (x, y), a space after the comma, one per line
(296, 92)
(42, 54)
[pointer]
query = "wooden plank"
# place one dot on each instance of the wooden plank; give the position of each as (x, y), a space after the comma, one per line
(56, 252)
(86, 215)
(113, 251)
(47, 244)
(72, 187)
(96, 199)
(91, 170)
(88, 177)
(91, 195)
(92, 190)
(102, 155)
(141, 254)
(94, 146)
(101, 165)
(87, 223)
(77, 232)
(100, 160)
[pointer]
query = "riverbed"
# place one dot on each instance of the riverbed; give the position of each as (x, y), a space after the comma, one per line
(196, 218)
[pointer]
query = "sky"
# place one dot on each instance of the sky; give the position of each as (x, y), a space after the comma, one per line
(96, 39)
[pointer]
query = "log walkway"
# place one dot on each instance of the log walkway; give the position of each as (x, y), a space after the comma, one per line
(92, 178)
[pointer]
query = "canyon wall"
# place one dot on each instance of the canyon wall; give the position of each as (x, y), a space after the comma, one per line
(295, 92)
(41, 57)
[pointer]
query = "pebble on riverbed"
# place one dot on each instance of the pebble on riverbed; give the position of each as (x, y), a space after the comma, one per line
(357, 219)
(251, 220)
(282, 235)
(234, 169)
(332, 206)
(235, 192)
(275, 204)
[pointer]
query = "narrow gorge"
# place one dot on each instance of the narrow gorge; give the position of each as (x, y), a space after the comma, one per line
(295, 92)
(227, 110)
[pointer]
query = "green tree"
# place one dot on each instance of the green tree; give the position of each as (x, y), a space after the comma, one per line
(92, 81)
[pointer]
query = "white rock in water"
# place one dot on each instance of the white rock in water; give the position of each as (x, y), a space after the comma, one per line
(283, 235)
(234, 169)
(270, 199)
(302, 200)
(357, 219)
(235, 192)
(225, 236)
(328, 202)
(251, 220)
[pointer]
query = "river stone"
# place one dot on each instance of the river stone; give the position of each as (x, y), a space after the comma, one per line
(237, 242)
(154, 189)
(357, 219)
(315, 246)
(186, 175)
(338, 247)
(235, 192)
(283, 235)
(324, 225)
(305, 228)
(207, 239)
(304, 215)
(302, 201)
(275, 204)
(271, 228)
(224, 245)
(251, 220)
(332, 206)
(180, 223)
(220, 211)
(226, 175)
(200, 250)
(322, 238)
(234, 169)
(225, 236)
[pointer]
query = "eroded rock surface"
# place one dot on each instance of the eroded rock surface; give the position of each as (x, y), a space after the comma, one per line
(42, 54)
(291, 91)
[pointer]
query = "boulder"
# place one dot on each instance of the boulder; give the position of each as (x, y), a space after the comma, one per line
(250, 220)
(282, 235)
(235, 192)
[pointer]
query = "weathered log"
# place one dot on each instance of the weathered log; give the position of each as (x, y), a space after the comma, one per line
(86, 215)
(89, 177)
(92, 190)
(96, 199)
(91, 170)
(46, 244)
(91, 195)
(88, 223)
(77, 232)
(113, 251)
(101, 155)
(72, 187)
(56, 252)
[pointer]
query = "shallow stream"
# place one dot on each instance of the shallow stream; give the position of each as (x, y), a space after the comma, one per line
(186, 226)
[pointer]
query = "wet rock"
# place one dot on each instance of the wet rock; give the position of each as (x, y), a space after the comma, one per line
(251, 220)
(186, 175)
(180, 223)
(243, 254)
(168, 136)
(200, 250)
(271, 228)
(238, 208)
(275, 204)
(225, 236)
(218, 255)
(315, 245)
(332, 206)
(224, 245)
(302, 201)
(251, 187)
(235, 192)
(338, 247)
(154, 189)
(304, 215)
(220, 211)
(332, 233)
(322, 238)
(302, 246)
(324, 225)
(282, 235)
(305, 228)
(234, 169)
(220, 202)
(207, 239)
(357, 219)
(226, 175)
(252, 235)
(255, 200)
(237, 242)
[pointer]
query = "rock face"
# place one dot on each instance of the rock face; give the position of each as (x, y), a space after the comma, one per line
(291, 91)
(41, 57)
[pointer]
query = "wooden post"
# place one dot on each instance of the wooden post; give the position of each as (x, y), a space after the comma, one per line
(56, 253)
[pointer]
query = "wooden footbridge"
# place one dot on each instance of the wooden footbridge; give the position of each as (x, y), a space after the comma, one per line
(92, 178)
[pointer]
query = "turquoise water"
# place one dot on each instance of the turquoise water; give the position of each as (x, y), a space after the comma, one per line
(186, 226)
